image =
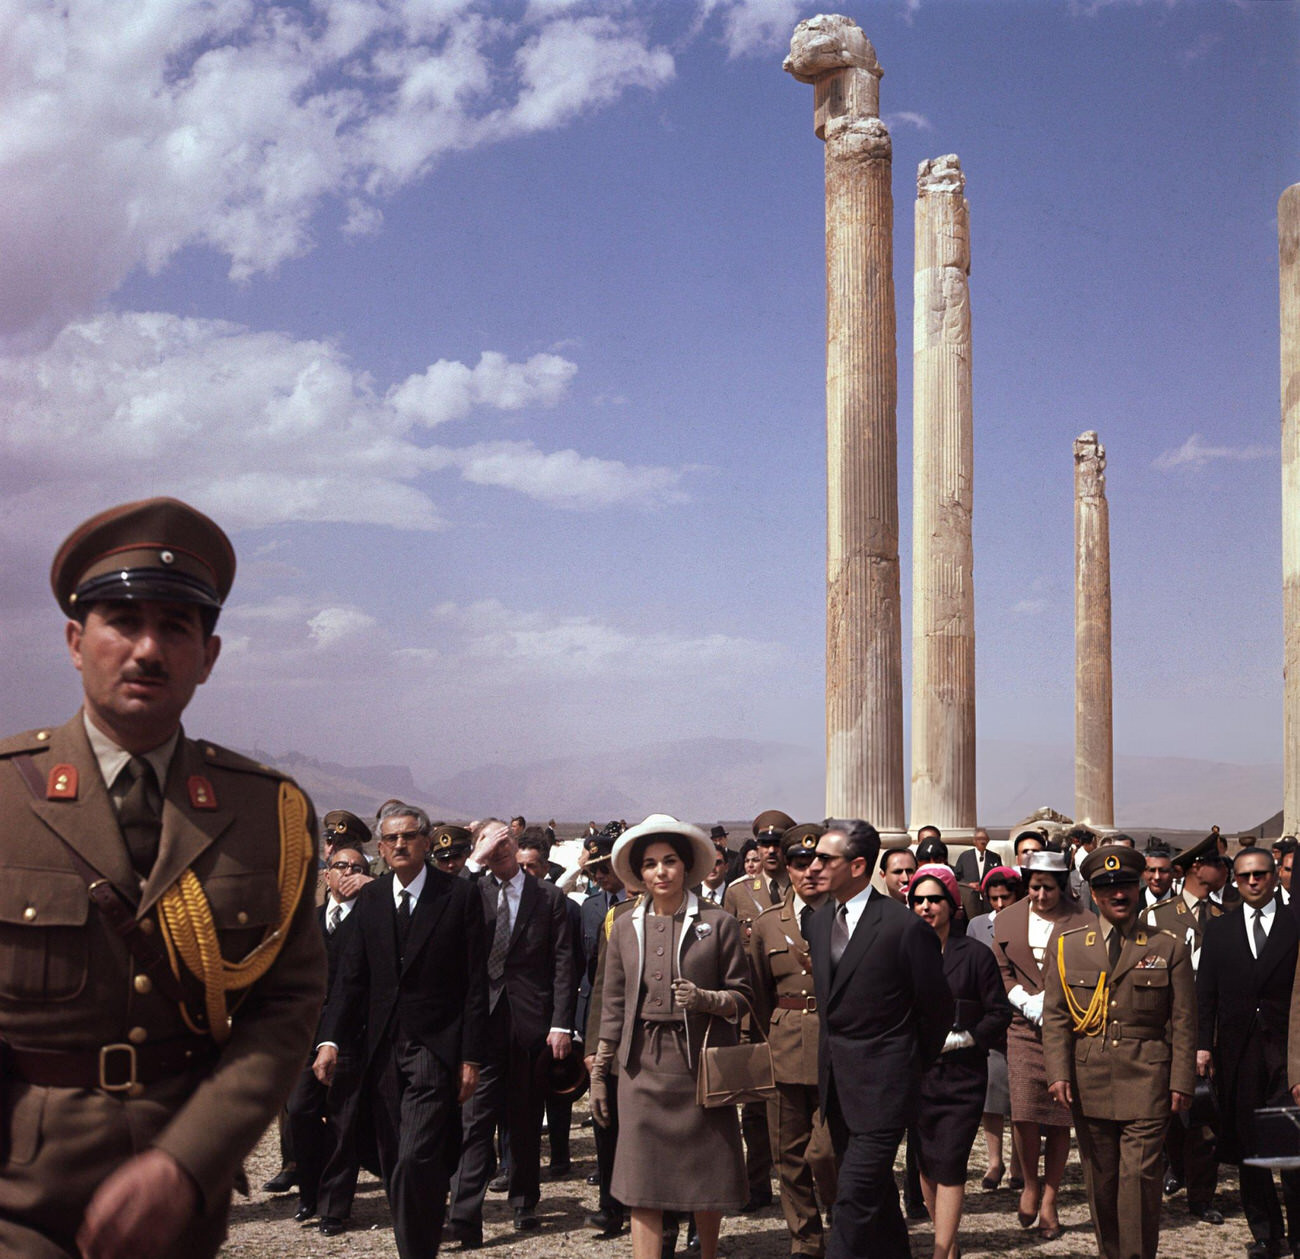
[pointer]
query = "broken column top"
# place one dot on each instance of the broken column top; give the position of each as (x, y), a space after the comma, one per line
(829, 42)
(1089, 464)
(941, 174)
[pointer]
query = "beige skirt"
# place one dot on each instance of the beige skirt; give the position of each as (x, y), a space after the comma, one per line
(672, 1153)
(1027, 1078)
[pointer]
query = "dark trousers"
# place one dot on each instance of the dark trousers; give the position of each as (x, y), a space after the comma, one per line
(323, 1124)
(1194, 1159)
(559, 1119)
(506, 1094)
(805, 1163)
(758, 1149)
(1263, 1213)
(1121, 1168)
(606, 1141)
(868, 1221)
(417, 1126)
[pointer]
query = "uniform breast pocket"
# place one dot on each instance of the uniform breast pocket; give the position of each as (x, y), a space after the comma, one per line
(1150, 989)
(244, 908)
(44, 941)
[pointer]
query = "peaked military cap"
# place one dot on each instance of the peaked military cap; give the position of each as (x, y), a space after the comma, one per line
(344, 829)
(802, 838)
(772, 821)
(157, 548)
(451, 841)
(1112, 864)
(1207, 848)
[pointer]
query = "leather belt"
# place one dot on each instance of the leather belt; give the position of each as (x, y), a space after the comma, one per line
(807, 1004)
(117, 1068)
(1122, 1031)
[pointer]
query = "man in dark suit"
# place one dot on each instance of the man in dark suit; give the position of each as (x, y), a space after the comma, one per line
(532, 987)
(322, 1119)
(975, 862)
(1243, 999)
(885, 1010)
(415, 972)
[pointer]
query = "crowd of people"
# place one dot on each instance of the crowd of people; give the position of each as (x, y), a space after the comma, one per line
(967, 1012)
(167, 979)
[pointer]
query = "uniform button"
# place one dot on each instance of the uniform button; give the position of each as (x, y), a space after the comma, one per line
(241, 918)
(1113, 1004)
(137, 1036)
(655, 1001)
(42, 735)
(660, 951)
(143, 984)
(658, 974)
(147, 926)
(29, 914)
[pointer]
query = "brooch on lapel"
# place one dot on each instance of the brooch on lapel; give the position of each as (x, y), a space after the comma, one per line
(702, 929)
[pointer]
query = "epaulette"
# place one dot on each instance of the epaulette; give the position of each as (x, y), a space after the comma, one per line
(28, 741)
(1173, 935)
(224, 758)
(1074, 931)
(757, 884)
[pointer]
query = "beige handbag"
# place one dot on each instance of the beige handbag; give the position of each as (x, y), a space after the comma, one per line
(729, 1075)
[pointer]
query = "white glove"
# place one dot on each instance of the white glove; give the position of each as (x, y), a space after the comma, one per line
(1018, 996)
(1033, 1010)
(957, 1040)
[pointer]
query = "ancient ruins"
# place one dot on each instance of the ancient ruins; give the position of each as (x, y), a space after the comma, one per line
(1288, 230)
(943, 590)
(864, 668)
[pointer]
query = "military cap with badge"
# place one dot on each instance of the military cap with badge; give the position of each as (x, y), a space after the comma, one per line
(799, 843)
(345, 830)
(1112, 865)
(451, 841)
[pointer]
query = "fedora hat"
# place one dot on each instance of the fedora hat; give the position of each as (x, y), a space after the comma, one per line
(561, 1077)
(703, 853)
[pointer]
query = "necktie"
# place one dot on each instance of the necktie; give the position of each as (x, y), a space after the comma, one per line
(1202, 914)
(336, 912)
(496, 966)
(138, 816)
(805, 917)
(1113, 947)
(774, 891)
(839, 935)
(1261, 938)
(403, 922)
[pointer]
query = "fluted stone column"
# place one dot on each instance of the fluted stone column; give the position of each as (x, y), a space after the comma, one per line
(1288, 230)
(864, 686)
(943, 589)
(1094, 775)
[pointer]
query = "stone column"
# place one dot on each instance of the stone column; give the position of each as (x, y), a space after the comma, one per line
(943, 590)
(1288, 229)
(1094, 775)
(864, 671)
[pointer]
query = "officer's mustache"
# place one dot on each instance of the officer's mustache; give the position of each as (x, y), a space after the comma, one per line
(146, 673)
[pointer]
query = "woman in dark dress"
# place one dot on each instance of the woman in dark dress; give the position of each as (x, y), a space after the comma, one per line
(675, 970)
(953, 1088)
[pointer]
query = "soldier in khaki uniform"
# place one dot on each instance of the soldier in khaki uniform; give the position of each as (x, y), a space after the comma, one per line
(160, 969)
(1119, 1047)
(787, 1010)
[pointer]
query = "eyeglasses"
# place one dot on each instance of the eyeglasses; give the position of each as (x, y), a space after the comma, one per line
(800, 860)
(827, 857)
(1252, 875)
(352, 867)
(937, 899)
(401, 837)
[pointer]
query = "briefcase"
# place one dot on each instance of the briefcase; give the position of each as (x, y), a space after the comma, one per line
(729, 1075)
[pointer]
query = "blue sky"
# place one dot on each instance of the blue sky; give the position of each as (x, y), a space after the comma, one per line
(494, 334)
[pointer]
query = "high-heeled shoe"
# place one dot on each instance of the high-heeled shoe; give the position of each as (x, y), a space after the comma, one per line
(994, 1177)
(1050, 1232)
(1025, 1218)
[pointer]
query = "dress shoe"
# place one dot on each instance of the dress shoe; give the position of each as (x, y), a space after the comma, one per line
(331, 1226)
(593, 1178)
(757, 1202)
(304, 1213)
(1207, 1215)
(283, 1180)
(917, 1211)
(994, 1177)
(1173, 1183)
(1050, 1232)
(608, 1223)
(559, 1170)
(499, 1184)
(526, 1218)
(692, 1242)
(469, 1236)
(1259, 1250)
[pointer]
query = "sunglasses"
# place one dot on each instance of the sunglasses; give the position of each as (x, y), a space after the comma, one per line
(800, 860)
(937, 899)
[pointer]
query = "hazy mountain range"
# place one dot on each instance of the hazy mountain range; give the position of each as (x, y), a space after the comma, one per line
(736, 778)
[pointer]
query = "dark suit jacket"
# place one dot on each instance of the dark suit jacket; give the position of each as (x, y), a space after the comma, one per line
(440, 994)
(969, 867)
(1243, 1007)
(541, 977)
(592, 914)
(885, 1014)
(336, 946)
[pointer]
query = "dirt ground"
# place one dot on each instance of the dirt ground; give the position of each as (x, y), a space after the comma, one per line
(262, 1226)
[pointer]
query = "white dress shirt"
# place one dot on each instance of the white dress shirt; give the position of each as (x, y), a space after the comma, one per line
(1266, 921)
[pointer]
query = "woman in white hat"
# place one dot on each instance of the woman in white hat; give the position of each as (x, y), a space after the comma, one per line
(674, 968)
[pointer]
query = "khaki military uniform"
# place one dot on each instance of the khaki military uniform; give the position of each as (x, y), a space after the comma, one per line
(68, 984)
(749, 897)
(787, 1010)
(1121, 1076)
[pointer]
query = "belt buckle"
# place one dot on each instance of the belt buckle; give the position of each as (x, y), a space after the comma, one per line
(810, 1005)
(131, 1086)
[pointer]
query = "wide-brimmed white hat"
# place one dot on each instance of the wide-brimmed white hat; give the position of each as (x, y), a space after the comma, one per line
(703, 853)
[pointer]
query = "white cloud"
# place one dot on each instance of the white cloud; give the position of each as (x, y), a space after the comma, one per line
(262, 428)
(753, 26)
(1194, 453)
(332, 626)
(1029, 607)
(907, 118)
(229, 124)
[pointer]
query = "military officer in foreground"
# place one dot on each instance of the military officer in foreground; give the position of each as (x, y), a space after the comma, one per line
(160, 972)
(787, 1011)
(1119, 1048)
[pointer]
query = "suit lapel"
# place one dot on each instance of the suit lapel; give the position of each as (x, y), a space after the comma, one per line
(865, 932)
(529, 895)
(186, 831)
(428, 909)
(87, 823)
